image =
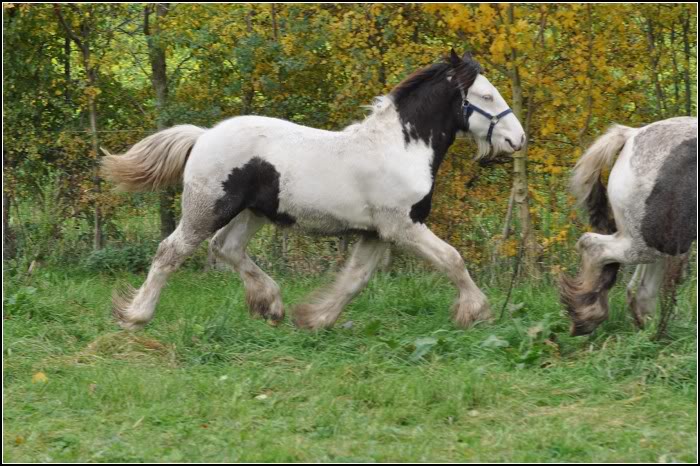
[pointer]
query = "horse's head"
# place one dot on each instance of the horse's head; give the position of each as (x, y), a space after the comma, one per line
(484, 113)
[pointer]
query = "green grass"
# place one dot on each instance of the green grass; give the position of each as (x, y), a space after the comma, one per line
(394, 381)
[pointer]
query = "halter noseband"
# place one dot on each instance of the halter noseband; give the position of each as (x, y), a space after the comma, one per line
(468, 108)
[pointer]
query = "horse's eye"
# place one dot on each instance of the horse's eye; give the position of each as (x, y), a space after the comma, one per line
(488, 97)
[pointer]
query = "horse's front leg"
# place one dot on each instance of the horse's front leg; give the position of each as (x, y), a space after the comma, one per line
(471, 305)
(323, 307)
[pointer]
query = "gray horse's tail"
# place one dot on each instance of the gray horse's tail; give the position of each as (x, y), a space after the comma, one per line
(154, 162)
(586, 183)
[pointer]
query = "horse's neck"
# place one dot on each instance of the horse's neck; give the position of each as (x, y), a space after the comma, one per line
(429, 117)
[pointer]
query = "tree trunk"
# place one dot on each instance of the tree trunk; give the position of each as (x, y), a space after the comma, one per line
(82, 41)
(676, 72)
(520, 186)
(159, 80)
(275, 31)
(98, 238)
(509, 214)
(654, 63)
(66, 68)
(686, 70)
(505, 232)
(9, 240)
(589, 75)
(249, 91)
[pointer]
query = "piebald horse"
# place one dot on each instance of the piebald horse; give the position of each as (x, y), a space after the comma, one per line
(374, 178)
(652, 191)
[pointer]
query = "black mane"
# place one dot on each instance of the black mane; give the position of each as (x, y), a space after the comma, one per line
(464, 74)
(418, 78)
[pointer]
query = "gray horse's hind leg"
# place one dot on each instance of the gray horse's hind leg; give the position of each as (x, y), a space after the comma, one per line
(229, 244)
(643, 290)
(135, 308)
(322, 309)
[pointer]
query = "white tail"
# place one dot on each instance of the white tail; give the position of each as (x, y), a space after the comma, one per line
(599, 156)
(154, 162)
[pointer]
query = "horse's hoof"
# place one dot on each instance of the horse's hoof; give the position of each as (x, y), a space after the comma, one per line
(311, 317)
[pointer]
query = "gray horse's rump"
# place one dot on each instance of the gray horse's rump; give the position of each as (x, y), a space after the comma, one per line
(670, 213)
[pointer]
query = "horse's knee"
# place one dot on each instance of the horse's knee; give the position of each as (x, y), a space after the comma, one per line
(586, 242)
(454, 260)
(216, 244)
(168, 255)
(227, 250)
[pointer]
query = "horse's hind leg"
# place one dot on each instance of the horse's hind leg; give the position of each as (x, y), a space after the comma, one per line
(322, 309)
(643, 289)
(229, 244)
(135, 308)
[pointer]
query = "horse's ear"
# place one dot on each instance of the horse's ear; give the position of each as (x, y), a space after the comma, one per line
(467, 56)
(454, 58)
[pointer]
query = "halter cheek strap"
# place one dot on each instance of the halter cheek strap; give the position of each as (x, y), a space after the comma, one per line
(468, 108)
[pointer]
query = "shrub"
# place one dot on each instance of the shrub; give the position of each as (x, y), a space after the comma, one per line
(134, 258)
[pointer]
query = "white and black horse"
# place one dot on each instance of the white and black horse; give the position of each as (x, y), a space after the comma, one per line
(374, 178)
(652, 190)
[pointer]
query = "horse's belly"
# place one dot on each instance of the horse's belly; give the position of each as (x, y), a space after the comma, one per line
(326, 211)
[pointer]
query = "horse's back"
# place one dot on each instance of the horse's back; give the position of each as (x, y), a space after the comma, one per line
(236, 140)
(257, 123)
(656, 144)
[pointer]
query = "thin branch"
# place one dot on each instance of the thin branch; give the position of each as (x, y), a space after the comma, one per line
(74, 37)
(552, 140)
(137, 61)
(182, 63)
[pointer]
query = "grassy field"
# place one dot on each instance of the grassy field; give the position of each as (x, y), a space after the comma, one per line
(394, 381)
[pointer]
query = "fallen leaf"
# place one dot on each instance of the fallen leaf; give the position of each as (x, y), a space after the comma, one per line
(423, 347)
(347, 324)
(494, 341)
(535, 330)
(39, 377)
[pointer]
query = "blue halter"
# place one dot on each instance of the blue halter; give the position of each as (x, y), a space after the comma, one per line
(467, 110)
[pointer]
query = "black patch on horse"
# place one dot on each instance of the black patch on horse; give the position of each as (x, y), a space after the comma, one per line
(430, 110)
(670, 215)
(254, 186)
(421, 209)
